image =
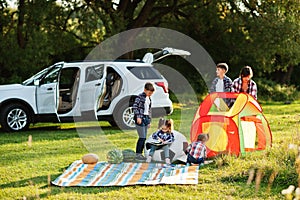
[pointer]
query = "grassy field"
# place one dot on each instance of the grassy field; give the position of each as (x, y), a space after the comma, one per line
(27, 168)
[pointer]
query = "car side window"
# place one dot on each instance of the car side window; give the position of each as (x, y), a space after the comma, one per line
(94, 73)
(52, 76)
(145, 72)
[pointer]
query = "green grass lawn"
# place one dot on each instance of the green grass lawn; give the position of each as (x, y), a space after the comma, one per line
(26, 169)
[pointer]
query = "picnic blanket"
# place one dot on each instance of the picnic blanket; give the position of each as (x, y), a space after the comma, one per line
(123, 174)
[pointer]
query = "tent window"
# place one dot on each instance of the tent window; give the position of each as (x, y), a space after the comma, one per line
(221, 105)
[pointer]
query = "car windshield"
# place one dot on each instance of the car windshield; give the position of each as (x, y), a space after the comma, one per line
(37, 76)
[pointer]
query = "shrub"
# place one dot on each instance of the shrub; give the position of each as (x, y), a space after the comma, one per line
(271, 91)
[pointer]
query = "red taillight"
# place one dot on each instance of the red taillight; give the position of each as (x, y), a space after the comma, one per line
(162, 84)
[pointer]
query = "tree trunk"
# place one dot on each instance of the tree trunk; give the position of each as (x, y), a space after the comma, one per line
(286, 79)
(283, 77)
(20, 26)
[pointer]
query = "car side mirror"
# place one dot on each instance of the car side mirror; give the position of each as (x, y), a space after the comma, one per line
(36, 82)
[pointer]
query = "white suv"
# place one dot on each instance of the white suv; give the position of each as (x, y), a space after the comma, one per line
(102, 90)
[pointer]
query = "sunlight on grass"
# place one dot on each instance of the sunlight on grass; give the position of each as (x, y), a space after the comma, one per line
(25, 167)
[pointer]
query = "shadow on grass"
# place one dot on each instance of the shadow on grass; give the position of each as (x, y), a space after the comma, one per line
(63, 126)
(38, 180)
(52, 132)
(53, 189)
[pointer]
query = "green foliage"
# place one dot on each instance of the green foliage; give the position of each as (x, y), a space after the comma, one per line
(278, 24)
(44, 37)
(194, 78)
(269, 90)
(262, 34)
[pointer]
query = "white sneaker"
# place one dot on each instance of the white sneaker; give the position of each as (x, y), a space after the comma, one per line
(149, 158)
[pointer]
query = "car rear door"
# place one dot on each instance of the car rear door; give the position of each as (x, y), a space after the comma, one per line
(93, 88)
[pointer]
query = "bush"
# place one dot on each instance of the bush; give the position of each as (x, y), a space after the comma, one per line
(271, 91)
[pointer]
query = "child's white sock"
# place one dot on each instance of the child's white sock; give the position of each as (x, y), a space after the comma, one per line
(168, 162)
(149, 158)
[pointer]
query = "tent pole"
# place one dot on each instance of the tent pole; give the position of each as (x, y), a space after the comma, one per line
(241, 137)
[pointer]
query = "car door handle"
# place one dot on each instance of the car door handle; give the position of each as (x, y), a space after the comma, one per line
(97, 84)
(49, 88)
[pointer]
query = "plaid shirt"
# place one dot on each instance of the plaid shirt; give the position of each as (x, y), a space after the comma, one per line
(167, 138)
(197, 150)
(227, 84)
(139, 105)
(237, 87)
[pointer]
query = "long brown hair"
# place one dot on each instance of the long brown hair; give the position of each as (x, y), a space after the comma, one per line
(170, 124)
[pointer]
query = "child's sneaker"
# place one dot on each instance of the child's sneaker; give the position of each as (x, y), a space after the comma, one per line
(149, 158)
(140, 157)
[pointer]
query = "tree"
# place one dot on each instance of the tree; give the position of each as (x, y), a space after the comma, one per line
(273, 36)
(263, 34)
(32, 38)
(39, 33)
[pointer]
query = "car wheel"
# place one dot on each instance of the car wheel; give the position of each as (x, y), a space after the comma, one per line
(15, 117)
(124, 117)
(112, 123)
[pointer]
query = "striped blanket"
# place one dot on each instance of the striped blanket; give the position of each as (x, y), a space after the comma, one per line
(105, 174)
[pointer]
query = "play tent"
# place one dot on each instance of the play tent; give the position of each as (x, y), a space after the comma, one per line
(235, 123)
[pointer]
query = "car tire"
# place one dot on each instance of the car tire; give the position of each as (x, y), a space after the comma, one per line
(112, 123)
(15, 117)
(124, 117)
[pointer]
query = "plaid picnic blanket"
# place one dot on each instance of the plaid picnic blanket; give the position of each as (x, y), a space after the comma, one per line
(123, 174)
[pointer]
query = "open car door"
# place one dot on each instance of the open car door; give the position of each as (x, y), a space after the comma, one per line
(92, 90)
(47, 90)
(167, 51)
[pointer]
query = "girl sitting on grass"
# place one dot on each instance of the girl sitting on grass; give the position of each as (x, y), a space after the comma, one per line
(162, 139)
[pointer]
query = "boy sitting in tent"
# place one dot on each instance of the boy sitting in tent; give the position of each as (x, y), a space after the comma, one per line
(196, 151)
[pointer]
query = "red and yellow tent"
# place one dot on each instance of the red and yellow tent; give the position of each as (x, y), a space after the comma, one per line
(235, 124)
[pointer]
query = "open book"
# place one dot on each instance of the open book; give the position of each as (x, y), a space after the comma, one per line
(154, 141)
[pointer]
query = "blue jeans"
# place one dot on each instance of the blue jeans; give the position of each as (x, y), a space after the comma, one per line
(142, 132)
(155, 147)
(191, 159)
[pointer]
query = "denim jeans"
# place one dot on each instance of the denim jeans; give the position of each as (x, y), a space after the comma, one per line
(164, 147)
(191, 159)
(142, 132)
